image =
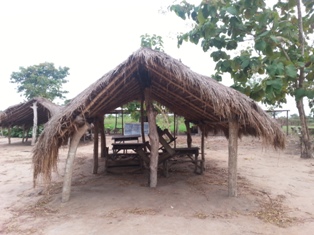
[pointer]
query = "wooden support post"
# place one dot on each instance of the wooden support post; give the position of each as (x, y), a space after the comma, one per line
(103, 144)
(233, 154)
(153, 138)
(96, 144)
(188, 134)
(287, 122)
(122, 114)
(23, 134)
(174, 130)
(9, 134)
(142, 122)
(177, 126)
(66, 190)
(34, 134)
(27, 131)
(116, 122)
(203, 165)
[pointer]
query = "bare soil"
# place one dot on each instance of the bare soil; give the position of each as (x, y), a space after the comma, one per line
(275, 194)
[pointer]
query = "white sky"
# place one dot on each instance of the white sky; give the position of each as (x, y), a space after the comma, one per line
(90, 37)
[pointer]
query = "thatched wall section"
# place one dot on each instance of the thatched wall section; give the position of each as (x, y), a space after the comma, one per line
(198, 98)
(22, 114)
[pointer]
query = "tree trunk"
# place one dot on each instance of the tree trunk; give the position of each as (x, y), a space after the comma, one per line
(188, 134)
(153, 138)
(66, 190)
(306, 146)
(34, 135)
(306, 150)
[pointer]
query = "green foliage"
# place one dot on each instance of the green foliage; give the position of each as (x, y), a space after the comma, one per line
(43, 80)
(270, 37)
(154, 42)
(17, 131)
(134, 109)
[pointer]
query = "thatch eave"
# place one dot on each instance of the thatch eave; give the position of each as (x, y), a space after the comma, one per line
(22, 114)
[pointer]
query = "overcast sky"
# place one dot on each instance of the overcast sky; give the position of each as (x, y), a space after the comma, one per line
(90, 37)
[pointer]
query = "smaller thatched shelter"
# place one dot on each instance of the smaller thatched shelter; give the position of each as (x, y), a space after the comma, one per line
(23, 114)
(149, 76)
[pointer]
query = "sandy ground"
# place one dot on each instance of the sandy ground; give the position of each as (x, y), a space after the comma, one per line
(276, 195)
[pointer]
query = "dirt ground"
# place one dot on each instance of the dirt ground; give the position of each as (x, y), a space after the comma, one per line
(275, 194)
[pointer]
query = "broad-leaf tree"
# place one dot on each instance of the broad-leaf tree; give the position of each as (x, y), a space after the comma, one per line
(42, 80)
(247, 38)
(154, 42)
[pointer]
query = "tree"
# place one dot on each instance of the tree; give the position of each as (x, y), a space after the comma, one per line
(248, 38)
(43, 80)
(154, 42)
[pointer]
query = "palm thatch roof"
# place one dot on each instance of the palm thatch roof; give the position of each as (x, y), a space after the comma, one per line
(22, 114)
(196, 97)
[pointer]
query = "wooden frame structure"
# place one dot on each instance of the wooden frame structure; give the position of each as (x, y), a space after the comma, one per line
(31, 113)
(148, 76)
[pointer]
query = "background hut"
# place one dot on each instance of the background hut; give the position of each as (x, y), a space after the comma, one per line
(29, 114)
(149, 75)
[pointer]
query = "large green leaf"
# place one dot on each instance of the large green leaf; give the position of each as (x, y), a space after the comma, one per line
(205, 10)
(179, 10)
(301, 92)
(200, 17)
(280, 68)
(231, 45)
(232, 10)
(257, 95)
(291, 71)
(260, 45)
(245, 61)
(274, 39)
(218, 42)
(275, 84)
(217, 55)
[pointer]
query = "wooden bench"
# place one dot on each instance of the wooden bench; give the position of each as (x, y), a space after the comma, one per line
(123, 138)
(120, 157)
(177, 154)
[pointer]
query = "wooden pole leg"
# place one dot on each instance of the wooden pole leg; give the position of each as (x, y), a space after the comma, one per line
(166, 168)
(66, 190)
(153, 138)
(233, 155)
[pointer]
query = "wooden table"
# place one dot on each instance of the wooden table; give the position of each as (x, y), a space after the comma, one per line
(116, 147)
(123, 138)
(121, 158)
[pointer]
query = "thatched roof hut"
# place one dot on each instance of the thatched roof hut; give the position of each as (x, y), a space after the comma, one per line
(29, 114)
(198, 98)
(22, 114)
